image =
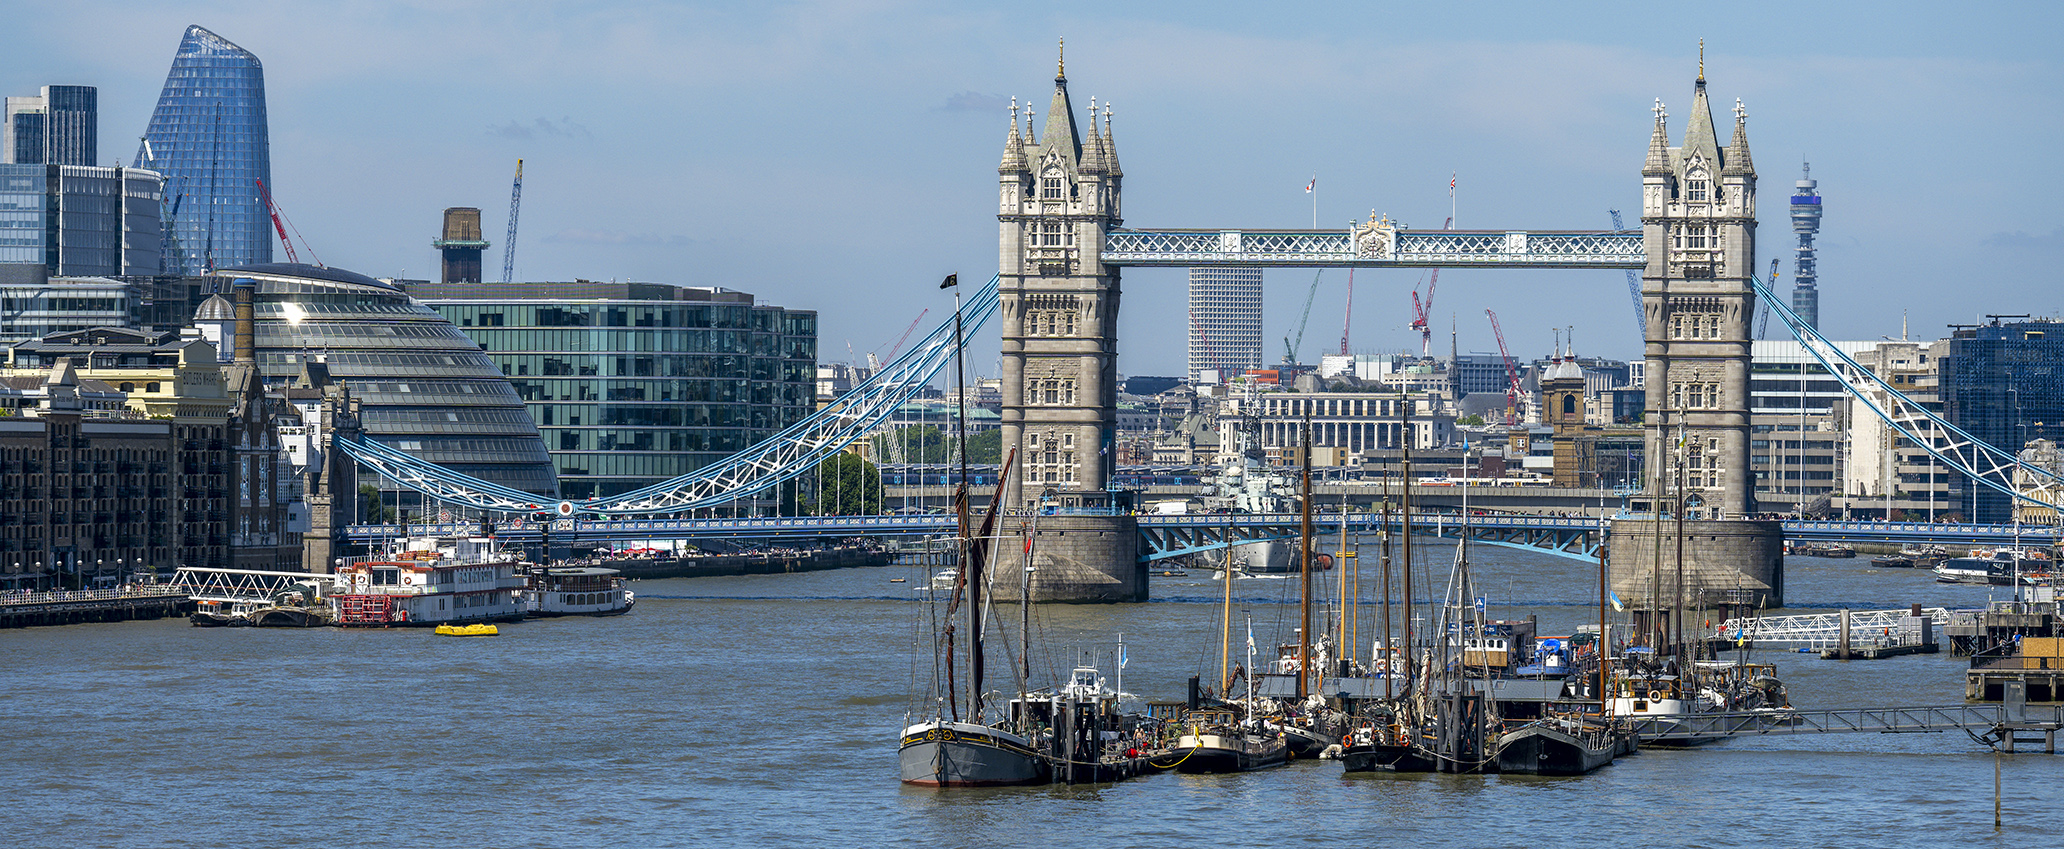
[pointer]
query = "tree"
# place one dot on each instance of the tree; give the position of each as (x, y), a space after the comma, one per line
(372, 510)
(847, 485)
(986, 447)
(1470, 421)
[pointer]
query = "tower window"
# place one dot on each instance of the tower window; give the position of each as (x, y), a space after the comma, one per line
(1050, 188)
(1695, 191)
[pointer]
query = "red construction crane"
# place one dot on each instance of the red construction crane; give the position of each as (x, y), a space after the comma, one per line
(872, 363)
(1419, 310)
(1347, 315)
(1511, 373)
(266, 194)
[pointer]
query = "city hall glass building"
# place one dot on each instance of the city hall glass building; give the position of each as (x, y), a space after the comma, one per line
(208, 137)
(425, 387)
(635, 383)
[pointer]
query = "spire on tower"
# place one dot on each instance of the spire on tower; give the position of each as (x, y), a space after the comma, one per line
(1093, 151)
(1013, 146)
(1061, 70)
(1658, 163)
(1061, 136)
(1737, 156)
(1702, 63)
(1110, 147)
(1700, 140)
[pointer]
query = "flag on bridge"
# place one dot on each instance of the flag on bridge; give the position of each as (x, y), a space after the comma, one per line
(1313, 185)
(951, 281)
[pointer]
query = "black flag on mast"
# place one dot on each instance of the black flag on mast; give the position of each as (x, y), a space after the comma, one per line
(951, 281)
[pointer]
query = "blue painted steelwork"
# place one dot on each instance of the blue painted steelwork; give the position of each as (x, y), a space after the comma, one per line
(775, 459)
(1967, 454)
(1377, 244)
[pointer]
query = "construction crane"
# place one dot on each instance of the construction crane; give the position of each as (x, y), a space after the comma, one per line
(1633, 286)
(1763, 315)
(1512, 390)
(265, 194)
(1289, 347)
(1420, 310)
(875, 364)
(1347, 315)
(272, 209)
(509, 244)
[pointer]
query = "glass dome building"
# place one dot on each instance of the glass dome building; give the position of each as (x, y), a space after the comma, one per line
(425, 387)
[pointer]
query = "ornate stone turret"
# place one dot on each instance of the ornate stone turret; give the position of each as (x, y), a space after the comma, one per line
(1736, 159)
(1110, 147)
(1658, 163)
(1013, 147)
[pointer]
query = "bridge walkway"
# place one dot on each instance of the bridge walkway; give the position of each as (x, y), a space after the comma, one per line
(1991, 724)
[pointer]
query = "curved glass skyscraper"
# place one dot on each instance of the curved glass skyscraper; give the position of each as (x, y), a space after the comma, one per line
(208, 138)
(426, 388)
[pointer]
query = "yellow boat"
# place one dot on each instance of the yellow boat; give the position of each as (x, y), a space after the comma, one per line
(468, 630)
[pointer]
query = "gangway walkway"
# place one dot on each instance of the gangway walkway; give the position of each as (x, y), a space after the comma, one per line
(1989, 724)
(235, 585)
(1824, 629)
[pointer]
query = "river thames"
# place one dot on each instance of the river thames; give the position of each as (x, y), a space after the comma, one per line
(764, 711)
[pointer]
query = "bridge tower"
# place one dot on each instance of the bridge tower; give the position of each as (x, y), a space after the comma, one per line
(1057, 197)
(1698, 216)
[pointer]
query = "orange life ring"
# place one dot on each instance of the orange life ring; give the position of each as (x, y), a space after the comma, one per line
(1655, 695)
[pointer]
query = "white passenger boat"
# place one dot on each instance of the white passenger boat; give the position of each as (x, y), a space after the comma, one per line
(434, 581)
(576, 591)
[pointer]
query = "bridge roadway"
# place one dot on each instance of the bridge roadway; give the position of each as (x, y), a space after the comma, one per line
(1165, 536)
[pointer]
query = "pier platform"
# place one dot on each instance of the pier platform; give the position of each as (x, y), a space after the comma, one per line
(67, 607)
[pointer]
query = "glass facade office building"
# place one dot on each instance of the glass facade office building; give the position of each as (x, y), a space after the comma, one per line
(59, 127)
(208, 137)
(635, 383)
(82, 221)
(425, 387)
(2003, 382)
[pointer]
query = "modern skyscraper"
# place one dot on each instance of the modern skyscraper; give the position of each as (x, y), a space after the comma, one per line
(1225, 320)
(59, 127)
(208, 138)
(2000, 383)
(1806, 223)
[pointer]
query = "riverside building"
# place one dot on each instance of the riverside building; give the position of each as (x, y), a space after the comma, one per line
(634, 383)
(425, 388)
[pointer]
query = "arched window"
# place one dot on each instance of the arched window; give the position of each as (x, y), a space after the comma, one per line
(1569, 404)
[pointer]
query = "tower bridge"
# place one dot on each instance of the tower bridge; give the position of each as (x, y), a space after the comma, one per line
(1063, 246)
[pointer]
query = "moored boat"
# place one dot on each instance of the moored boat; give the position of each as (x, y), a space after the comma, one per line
(432, 582)
(1213, 740)
(1556, 746)
(575, 591)
(477, 629)
(942, 753)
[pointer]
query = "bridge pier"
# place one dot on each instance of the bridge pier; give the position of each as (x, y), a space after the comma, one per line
(1078, 559)
(1726, 563)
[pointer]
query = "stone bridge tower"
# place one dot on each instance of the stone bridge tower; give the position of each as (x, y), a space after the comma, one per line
(1057, 195)
(1698, 216)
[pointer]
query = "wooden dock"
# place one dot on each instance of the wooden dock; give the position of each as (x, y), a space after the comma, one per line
(68, 607)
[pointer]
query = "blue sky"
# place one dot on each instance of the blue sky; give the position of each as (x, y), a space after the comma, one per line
(840, 156)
